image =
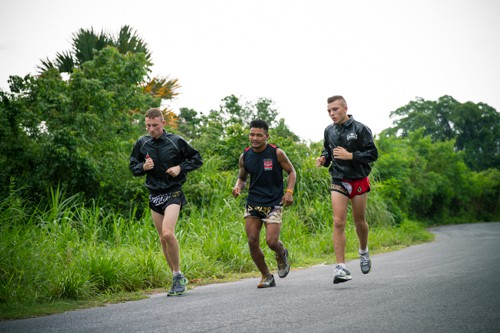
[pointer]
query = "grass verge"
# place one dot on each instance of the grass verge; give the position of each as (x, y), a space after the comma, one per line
(109, 287)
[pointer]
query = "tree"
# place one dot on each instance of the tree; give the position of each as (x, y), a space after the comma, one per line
(86, 42)
(474, 127)
(266, 112)
(429, 181)
(189, 123)
(76, 133)
(224, 132)
(478, 135)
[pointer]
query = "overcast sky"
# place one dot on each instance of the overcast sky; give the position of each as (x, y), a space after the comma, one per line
(378, 54)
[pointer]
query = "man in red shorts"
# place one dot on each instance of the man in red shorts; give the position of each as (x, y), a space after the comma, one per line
(348, 151)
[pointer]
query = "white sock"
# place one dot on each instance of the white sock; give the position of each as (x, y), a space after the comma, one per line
(363, 251)
(341, 265)
(177, 273)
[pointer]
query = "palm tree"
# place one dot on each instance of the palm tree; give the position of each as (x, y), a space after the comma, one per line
(86, 42)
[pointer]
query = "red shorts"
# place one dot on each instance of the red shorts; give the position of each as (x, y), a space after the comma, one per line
(351, 187)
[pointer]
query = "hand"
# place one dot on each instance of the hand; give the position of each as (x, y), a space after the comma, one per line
(320, 161)
(236, 191)
(340, 153)
(287, 199)
(174, 171)
(149, 164)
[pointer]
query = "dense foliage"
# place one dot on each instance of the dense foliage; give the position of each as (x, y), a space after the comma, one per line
(75, 132)
(475, 128)
(429, 181)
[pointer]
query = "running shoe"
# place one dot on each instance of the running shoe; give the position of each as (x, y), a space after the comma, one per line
(267, 282)
(365, 263)
(179, 283)
(283, 264)
(341, 274)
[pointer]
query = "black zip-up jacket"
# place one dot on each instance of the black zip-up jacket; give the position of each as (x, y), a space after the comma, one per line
(167, 151)
(357, 139)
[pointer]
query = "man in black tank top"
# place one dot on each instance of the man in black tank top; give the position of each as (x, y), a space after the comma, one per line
(265, 164)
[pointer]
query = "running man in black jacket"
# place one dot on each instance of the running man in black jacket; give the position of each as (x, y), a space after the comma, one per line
(165, 159)
(348, 150)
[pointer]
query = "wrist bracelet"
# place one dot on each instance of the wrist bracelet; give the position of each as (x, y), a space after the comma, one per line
(290, 191)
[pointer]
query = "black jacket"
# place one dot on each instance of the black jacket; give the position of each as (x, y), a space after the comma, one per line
(167, 151)
(357, 139)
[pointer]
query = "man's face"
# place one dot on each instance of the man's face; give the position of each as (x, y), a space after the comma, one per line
(258, 138)
(155, 126)
(338, 112)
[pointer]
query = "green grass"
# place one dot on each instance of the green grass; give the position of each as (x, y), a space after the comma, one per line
(96, 276)
(79, 257)
(71, 255)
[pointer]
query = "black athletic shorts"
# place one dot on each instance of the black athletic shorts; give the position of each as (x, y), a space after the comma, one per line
(158, 202)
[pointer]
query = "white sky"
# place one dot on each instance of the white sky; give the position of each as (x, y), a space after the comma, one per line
(378, 54)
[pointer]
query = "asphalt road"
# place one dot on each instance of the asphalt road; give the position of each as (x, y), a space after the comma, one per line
(449, 285)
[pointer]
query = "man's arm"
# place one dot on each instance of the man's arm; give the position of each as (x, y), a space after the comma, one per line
(192, 157)
(136, 163)
(242, 178)
(292, 176)
(326, 155)
(368, 152)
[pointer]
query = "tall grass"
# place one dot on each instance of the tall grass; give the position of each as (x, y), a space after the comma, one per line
(75, 250)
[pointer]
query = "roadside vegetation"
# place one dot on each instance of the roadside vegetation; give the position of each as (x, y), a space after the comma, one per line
(74, 228)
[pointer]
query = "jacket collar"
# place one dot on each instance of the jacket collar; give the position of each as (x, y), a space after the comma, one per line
(347, 123)
(163, 137)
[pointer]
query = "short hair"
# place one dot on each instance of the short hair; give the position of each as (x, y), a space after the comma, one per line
(258, 123)
(154, 113)
(336, 98)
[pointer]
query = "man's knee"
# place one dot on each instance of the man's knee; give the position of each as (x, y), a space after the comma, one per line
(167, 236)
(339, 223)
(253, 241)
(272, 242)
(361, 227)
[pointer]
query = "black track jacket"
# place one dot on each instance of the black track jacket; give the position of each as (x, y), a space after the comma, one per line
(167, 151)
(357, 139)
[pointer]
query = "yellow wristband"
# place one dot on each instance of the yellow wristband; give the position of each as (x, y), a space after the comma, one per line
(288, 190)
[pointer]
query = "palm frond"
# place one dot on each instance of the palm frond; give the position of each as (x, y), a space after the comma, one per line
(162, 87)
(65, 62)
(45, 65)
(86, 42)
(128, 41)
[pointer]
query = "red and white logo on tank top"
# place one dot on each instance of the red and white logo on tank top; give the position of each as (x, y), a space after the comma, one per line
(268, 164)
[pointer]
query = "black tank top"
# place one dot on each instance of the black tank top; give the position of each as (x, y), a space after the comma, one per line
(266, 177)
